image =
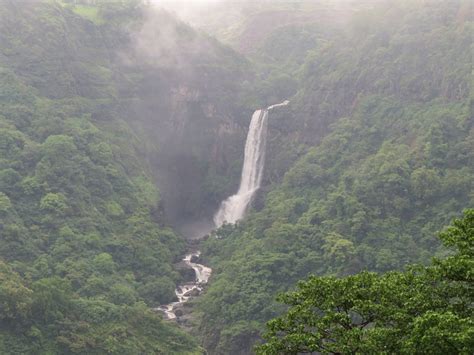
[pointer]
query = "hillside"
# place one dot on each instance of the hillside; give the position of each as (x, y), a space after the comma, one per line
(86, 248)
(124, 127)
(386, 111)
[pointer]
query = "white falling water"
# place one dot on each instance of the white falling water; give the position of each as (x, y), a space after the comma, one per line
(233, 208)
(187, 290)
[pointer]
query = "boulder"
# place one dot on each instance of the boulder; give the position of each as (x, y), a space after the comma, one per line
(192, 293)
(187, 274)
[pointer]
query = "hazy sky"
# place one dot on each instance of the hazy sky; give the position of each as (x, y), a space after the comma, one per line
(189, 10)
(191, 2)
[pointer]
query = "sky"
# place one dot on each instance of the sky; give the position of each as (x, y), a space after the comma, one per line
(191, 2)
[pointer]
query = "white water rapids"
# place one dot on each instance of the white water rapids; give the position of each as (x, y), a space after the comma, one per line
(232, 209)
(186, 291)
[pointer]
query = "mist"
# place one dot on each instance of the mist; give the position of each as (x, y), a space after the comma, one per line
(236, 177)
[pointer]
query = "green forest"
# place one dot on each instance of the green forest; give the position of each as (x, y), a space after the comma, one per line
(123, 127)
(421, 310)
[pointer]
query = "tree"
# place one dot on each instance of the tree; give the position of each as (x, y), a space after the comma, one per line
(15, 298)
(54, 203)
(421, 310)
(5, 203)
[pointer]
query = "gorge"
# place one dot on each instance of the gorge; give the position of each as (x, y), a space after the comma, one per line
(147, 207)
(231, 210)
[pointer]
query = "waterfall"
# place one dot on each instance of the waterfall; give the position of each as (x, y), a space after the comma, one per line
(233, 208)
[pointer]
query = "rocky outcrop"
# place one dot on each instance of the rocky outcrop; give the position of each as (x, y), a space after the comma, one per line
(189, 110)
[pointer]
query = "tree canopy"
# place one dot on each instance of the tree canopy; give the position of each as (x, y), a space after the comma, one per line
(423, 310)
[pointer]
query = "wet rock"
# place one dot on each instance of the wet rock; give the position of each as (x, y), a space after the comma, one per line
(194, 259)
(179, 312)
(187, 274)
(192, 293)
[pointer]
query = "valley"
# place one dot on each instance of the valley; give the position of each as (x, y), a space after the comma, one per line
(251, 177)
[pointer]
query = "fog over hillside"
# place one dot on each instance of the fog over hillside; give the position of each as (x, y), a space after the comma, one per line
(236, 177)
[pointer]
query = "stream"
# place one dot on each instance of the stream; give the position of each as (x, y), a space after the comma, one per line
(188, 290)
(231, 210)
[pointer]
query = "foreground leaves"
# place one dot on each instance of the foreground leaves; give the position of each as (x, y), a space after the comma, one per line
(424, 310)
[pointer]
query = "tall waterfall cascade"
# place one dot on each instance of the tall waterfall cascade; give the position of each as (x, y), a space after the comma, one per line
(234, 207)
(231, 210)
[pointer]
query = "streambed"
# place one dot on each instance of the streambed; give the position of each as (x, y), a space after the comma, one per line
(188, 290)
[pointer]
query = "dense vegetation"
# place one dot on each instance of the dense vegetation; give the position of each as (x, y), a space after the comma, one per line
(395, 166)
(422, 310)
(101, 102)
(84, 252)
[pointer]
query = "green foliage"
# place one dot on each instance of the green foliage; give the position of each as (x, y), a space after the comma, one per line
(53, 203)
(5, 203)
(424, 310)
(89, 12)
(385, 106)
(15, 299)
(47, 317)
(389, 125)
(82, 247)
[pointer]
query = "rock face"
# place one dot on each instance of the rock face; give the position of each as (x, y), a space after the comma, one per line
(201, 146)
(189, 109)
(179, 312)
(194, 259)
(192, 293)
(175, 87)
